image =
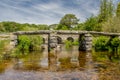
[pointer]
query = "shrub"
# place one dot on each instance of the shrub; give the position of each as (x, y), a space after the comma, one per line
(115, 42)
(27, 43)
(23, 43)
(68, 44)
(100, 44)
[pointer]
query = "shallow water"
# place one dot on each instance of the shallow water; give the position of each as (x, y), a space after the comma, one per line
(63, 65)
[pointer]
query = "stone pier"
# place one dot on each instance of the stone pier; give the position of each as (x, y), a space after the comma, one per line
(52, 42)
(85, 42)
(52, 51)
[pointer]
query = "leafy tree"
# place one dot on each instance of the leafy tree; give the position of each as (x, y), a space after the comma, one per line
(106, 10)
(110, 8)
(112, 25)
(80, 26)
(118, 10)
(92, 24)
(62, 27)
(69, 20)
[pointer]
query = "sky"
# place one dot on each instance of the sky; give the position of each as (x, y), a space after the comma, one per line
(47, 11)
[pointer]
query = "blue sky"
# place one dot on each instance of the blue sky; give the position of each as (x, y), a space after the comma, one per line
(46, 11)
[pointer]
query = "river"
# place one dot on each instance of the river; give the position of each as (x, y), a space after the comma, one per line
(66, 64)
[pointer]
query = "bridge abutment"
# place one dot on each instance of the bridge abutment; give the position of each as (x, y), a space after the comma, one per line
(85, 42)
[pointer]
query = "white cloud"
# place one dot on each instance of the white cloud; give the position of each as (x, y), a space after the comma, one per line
(46, 12)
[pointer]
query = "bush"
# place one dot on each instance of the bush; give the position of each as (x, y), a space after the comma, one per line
(23, 43)
(115, 42)
(100, 44)
(76, 42)
(27, 43)
(68, 44)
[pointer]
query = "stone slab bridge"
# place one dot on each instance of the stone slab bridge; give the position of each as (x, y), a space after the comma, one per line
(55, 37)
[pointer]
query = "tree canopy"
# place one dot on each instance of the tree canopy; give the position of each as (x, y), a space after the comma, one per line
(118, 10)
(69, 20)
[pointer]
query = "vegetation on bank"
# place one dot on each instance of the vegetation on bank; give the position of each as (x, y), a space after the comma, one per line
(111, 45)
(4, 48)
(69, 44)
(29, 43)
(4, 45)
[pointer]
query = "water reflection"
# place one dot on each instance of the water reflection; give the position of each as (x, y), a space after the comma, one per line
(4, 64)
(52, 60)
(2, 67)
(41, 64)
(61, 60)
(82, 59)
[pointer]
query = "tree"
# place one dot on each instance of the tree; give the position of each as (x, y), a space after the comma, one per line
(61, 27)
(118, 10)
(53, 26)
(80, 26)
(112, 25)
(92, 24)
(69, 20)
(110, 8)
(106, 10)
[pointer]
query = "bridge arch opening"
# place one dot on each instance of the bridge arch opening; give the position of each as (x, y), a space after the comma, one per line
(70, 39)
(59, 39)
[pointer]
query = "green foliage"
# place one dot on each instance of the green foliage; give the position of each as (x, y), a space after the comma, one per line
(27, 28)
(115, 42)
(92, 24)
(100, 56)
(3, 45)
(62, 27)
(118, 10)
(69, 20)
(68, 44)
(13, 26)
(76, 42)
(24, 43)
(80, 26)
(112, 25)
(43, 27)
(108, 44)
(9, 26)
(36, 41)
(106, 10)
(100, 43)
(27, 43)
